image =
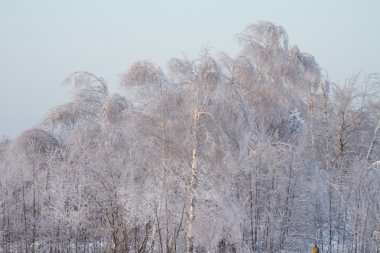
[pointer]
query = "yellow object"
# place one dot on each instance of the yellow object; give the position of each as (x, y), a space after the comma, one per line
(315, 249)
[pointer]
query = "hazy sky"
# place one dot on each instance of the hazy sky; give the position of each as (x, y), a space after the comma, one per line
(41, 42)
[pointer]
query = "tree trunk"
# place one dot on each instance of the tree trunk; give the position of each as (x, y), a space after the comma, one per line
(193, 179)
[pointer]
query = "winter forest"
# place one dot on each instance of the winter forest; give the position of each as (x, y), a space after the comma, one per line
(258, 152)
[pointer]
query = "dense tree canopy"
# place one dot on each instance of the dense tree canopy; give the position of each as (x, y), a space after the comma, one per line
(254, 153)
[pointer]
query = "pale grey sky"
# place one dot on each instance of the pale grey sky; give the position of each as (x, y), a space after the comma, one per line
(43, 41)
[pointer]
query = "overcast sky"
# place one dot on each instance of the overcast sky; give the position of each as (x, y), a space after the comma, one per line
(43, 41)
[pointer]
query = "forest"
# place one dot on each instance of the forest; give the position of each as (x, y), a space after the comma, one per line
(258, 152)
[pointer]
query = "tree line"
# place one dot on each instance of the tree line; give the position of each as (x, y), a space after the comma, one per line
(254, 153)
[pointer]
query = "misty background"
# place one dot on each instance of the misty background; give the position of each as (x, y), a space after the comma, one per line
(42, 42)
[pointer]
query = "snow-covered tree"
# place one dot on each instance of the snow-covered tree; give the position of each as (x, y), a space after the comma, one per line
(257, 152)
